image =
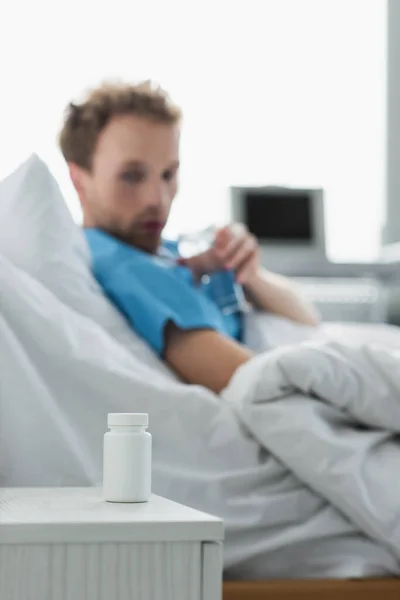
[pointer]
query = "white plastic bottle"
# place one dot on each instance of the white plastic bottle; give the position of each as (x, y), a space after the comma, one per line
(127, 458)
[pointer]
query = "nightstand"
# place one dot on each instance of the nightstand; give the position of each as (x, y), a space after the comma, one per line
(68, 544)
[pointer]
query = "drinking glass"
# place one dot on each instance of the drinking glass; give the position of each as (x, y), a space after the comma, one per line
(224, 289)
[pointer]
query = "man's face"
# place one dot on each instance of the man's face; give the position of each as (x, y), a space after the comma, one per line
(133, 180)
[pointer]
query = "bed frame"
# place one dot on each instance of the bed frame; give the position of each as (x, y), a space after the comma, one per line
(367, 589)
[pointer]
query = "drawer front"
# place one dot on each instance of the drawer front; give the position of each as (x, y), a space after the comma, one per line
(145, 571)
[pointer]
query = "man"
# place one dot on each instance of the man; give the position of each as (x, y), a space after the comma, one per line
(122, 147)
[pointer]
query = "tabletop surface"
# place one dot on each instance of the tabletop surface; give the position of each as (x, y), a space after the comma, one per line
(73, 515)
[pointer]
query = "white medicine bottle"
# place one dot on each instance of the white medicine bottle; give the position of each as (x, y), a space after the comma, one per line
(127, 458)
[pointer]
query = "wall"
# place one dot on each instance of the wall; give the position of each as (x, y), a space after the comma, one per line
(392, 229)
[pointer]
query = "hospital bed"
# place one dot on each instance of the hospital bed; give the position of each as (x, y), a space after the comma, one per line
(313, 590)
(78, 291)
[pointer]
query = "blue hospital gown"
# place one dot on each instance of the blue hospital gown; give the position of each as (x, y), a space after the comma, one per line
(152, 290)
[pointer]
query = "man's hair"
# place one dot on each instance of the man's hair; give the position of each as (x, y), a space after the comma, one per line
(83, 122)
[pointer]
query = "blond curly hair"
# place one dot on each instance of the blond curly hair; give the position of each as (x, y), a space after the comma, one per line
(84, 121)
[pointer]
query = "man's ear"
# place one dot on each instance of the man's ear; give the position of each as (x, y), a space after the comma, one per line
(79, 179)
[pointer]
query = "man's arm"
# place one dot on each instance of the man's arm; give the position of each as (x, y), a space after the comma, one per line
(278, 295)
(203, 357)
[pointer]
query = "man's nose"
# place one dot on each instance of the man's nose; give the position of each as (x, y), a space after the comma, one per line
(157, 195)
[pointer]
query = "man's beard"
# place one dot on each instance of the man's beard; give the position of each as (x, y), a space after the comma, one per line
(131, 236)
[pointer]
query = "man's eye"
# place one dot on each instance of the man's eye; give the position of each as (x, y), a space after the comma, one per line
(168, 175)
(132, 176)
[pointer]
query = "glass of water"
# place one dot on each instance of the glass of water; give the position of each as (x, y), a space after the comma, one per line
(196, 242)
(225, 291)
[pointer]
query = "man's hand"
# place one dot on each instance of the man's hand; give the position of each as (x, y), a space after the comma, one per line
(234, 249)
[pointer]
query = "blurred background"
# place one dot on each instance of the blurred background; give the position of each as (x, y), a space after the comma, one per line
(299, 93)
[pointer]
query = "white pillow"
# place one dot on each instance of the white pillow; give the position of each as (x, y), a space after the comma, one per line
(35, 224)
(38, 234)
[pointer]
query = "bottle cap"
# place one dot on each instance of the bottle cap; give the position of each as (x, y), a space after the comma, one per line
(128, 419)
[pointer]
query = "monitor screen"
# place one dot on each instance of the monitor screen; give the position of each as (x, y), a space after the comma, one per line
(285, 216)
